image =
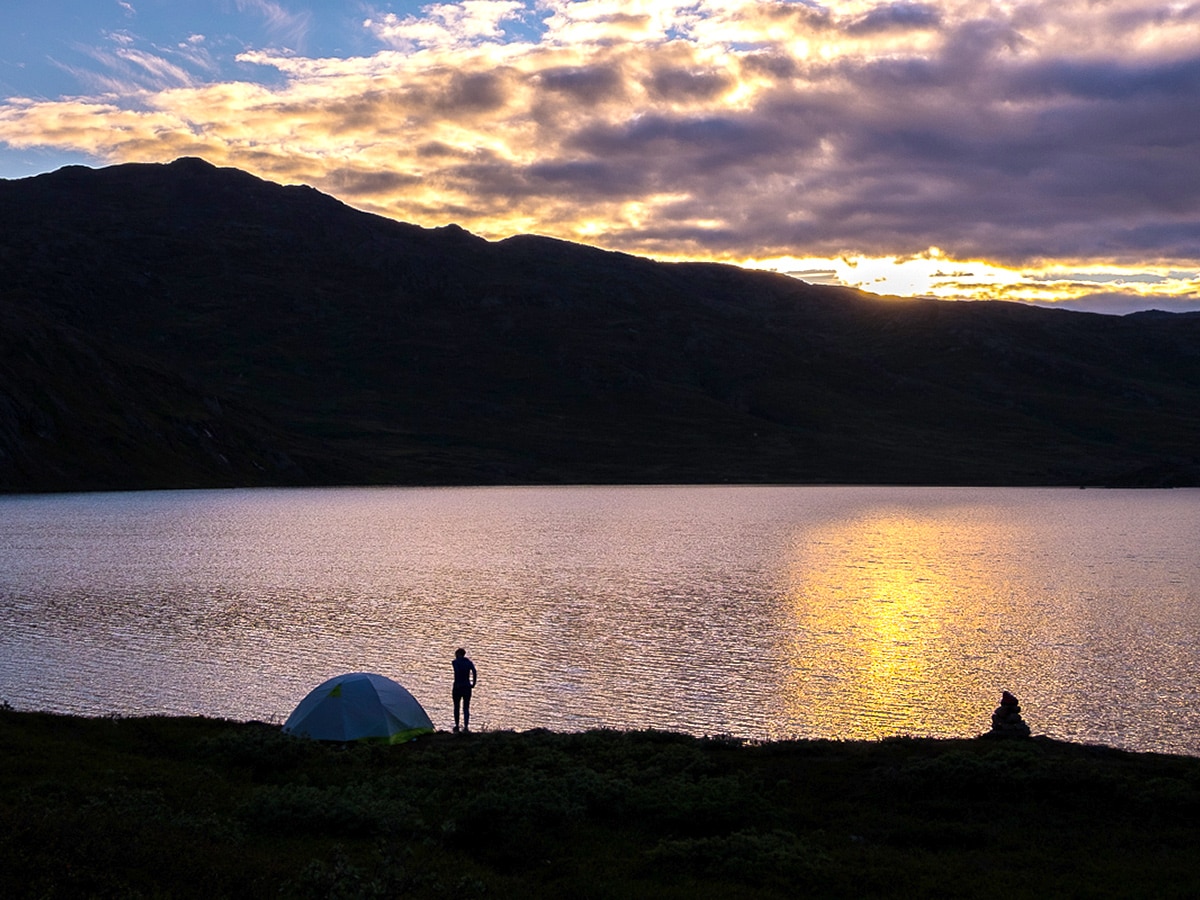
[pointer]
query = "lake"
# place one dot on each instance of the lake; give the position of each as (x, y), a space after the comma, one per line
(759, 612)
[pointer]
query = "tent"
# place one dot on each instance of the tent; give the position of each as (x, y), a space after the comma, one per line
(356, 707)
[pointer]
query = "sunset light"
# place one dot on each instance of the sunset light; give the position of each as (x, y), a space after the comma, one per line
(959, 149)
(880, 605)
(631, 448)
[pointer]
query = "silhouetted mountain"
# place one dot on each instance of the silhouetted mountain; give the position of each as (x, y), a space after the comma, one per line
(184, 325)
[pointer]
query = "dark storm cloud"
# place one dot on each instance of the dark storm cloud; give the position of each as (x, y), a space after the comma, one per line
(775, 64)
(473, 92)
(582, 179)
(1180, 240)
(590, 84)
(355, 183)
(663, 140)
(439, 150)
(689, 84)
(1113, 81)
(576, 181)
(896, 17)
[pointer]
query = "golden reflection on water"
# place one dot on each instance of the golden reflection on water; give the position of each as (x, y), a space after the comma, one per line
(886, 623)
(760, 612)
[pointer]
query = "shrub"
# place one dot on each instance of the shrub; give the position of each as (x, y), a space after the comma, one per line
(352, 811)
(743, 857)
(263, 749)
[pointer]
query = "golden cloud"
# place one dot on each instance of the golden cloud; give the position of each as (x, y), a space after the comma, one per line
(728, 129)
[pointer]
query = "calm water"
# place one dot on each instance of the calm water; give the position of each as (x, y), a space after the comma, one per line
(762, 612)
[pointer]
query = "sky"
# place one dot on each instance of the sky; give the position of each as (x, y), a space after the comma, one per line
(1046, 151)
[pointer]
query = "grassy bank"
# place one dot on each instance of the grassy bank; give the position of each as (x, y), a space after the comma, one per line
(175, 807)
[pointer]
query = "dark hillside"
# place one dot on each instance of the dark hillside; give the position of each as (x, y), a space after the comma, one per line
(184, 325)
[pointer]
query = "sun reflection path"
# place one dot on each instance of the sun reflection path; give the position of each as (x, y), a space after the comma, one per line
(894, 624)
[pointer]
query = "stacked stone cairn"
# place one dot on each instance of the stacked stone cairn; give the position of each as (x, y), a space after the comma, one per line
(1006, 720)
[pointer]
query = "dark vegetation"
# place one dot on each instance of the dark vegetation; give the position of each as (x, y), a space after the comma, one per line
(165, 807)
(187, 326)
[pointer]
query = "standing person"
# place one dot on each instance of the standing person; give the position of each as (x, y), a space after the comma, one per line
(465, 677)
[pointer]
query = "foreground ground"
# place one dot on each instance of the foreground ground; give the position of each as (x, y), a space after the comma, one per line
(170, 807)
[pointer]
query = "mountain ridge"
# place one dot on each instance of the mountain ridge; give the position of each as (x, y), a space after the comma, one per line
(183, 325)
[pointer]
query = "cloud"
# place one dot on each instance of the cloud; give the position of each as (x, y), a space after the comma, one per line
(445, 24)
(1021, 133)
(590, 84)
(160, 71)
(896, 17)
(126, 69)
(290, 29)
(600, 22)
(1110, 81)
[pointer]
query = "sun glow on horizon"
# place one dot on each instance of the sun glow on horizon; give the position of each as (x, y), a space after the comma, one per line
(936, 275)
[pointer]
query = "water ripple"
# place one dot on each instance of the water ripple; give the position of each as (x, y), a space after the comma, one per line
(759, 612)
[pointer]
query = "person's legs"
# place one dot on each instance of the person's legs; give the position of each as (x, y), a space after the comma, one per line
(466, 710)
(458, 699)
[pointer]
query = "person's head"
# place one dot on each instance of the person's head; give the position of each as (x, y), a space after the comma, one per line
(460, 653)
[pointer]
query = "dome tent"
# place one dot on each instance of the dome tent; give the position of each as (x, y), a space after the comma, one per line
(359, 706)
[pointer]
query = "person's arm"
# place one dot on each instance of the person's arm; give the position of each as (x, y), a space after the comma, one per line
(474, 675)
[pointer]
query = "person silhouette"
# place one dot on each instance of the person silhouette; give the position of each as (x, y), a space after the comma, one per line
(465, 677)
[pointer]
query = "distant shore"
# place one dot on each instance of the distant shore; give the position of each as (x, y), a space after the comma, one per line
(183, 807)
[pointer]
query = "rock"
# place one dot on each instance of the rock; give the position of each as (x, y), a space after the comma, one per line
(1006, 720)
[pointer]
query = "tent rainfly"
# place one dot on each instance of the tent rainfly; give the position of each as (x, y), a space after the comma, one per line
(356, 707)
